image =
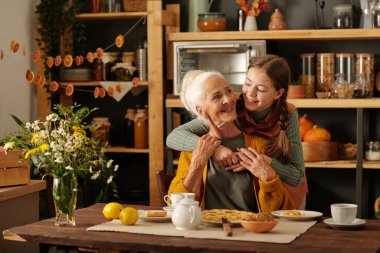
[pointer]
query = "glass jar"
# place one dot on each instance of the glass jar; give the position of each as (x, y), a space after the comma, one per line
(123, 71)
(97, 71)
(325, 71)
(345, 65)
(307, 78)
(141, 129)
(129, 128)
(211, 21)
(109, 60)
(372, 151)
(365, 65)
(342, 16)
(341, 88)
(361, 87)
(101, 129)
(376, 14)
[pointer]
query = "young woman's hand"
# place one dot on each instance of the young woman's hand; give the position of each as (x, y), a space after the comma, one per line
(234, 162)
(222, 156)
(256, 164)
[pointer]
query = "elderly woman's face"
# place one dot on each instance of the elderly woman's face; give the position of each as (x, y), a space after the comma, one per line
(220, 102)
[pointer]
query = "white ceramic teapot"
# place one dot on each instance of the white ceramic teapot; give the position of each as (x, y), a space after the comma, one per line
(187, 214)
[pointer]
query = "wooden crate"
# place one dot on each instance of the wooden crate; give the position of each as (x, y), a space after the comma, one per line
(13, 171)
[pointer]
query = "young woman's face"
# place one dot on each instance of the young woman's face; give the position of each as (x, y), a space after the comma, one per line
(220, 102)
(258, 90)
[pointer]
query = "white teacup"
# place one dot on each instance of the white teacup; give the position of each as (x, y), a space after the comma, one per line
(343, 213)
(174, 198)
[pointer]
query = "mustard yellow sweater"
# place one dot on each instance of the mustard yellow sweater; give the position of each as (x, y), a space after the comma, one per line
(271, 195)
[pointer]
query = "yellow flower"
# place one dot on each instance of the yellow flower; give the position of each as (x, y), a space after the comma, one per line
(78, 131)
(42, 148)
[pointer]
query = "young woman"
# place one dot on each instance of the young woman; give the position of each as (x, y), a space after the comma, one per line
(257, 187)
(263, 113)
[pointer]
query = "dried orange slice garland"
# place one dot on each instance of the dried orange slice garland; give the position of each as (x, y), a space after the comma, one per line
(111, 91)
(69, 89)
(57, 60)
(68, 61)
(29, 76)
(102, 92)
(119, 41)
(1, 54)
(96, 92)
(37, 55)
(118, 88)
(90, 57)
(53, 86)
(79, 60)
(99, 52)
(50, 61)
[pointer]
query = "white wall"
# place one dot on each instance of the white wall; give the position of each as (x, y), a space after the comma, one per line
(17, 96)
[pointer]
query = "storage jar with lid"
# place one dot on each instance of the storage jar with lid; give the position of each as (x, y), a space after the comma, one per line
(376, 14)
(341, 88)
(372, 152)
(345, 65)
(97, 71)
(141, 129)
(129, 128)
(123, 71)
(109, 60)
(307, 77)
(211, 21)
(342, 16)
(325, 71)
(129, 57)
(361, 87)
(101, 129)
(365, 65)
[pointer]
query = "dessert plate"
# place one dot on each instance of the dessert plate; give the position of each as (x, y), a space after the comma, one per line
(299, 215)
(142, 216)
(355, 224)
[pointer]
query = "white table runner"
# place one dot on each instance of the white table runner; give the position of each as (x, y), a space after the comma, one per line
(284, 232)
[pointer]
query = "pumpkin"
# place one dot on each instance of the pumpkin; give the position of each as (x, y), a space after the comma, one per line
(317, 134)
(305, 124)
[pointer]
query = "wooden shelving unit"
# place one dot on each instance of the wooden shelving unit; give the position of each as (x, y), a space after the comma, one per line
(111, 16)
(318, 34)
(120, 149)
(173, 102)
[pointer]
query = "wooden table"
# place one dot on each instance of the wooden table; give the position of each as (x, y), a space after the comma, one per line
(19, 205)
(320, 238)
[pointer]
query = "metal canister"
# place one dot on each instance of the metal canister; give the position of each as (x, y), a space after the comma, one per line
(141, 62)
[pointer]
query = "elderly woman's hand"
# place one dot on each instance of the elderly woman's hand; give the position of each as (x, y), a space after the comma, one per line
(256, 164)
(205, 148)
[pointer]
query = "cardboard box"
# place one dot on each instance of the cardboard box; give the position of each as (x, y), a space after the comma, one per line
(13, 170)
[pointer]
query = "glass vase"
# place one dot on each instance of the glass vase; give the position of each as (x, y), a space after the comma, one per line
(65, 200)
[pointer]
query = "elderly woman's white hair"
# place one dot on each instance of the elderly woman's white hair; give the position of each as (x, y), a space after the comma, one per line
(193, 89)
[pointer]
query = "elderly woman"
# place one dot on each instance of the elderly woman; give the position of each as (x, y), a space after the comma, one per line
(258, 188)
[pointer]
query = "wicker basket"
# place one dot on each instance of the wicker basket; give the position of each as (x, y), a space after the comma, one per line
(135, 5)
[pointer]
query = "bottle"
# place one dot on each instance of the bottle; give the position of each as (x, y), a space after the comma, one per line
(307, 78)
(129, 128)
(101, 129)
(97, 72)
(141, 62)
(141, 129)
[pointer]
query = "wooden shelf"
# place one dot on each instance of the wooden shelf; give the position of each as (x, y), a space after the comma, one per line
(311, 103)
(341, 164)
(317, 34)
(120, 149)
(111, 16)
(96, 83)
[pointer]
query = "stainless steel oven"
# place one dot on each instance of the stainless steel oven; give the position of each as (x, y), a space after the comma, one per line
(231, 58)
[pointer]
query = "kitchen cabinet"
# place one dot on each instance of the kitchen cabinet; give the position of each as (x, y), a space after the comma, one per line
(361, 106)
(156, 18)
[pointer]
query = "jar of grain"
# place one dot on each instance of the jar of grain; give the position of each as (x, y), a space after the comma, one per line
(365, 65)
(372, 152)
(325, 71)
(101, 129)
(345, 65)
(307, 77)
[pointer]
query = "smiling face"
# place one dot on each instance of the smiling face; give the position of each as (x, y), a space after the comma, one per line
(258, 90)
(219, 101)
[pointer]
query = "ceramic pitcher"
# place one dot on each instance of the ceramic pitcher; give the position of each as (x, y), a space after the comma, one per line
(187, 215)
(196, 7)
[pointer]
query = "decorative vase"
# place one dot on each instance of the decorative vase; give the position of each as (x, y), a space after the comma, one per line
(250, 23)
(65, 200)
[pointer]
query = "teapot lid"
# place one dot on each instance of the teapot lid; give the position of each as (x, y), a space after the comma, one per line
(187, 201)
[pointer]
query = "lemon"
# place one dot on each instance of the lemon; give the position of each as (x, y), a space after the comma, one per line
(112, 210)
(129, 216)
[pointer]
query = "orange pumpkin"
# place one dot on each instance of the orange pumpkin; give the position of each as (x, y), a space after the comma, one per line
(305, 124)
(317, 134)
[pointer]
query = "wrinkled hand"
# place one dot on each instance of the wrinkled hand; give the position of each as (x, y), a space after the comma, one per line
(256, 164)
(205, 148)
(234, 163)
(223, 156)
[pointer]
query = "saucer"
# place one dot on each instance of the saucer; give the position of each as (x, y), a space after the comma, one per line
(355, 224)
(168, 208)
